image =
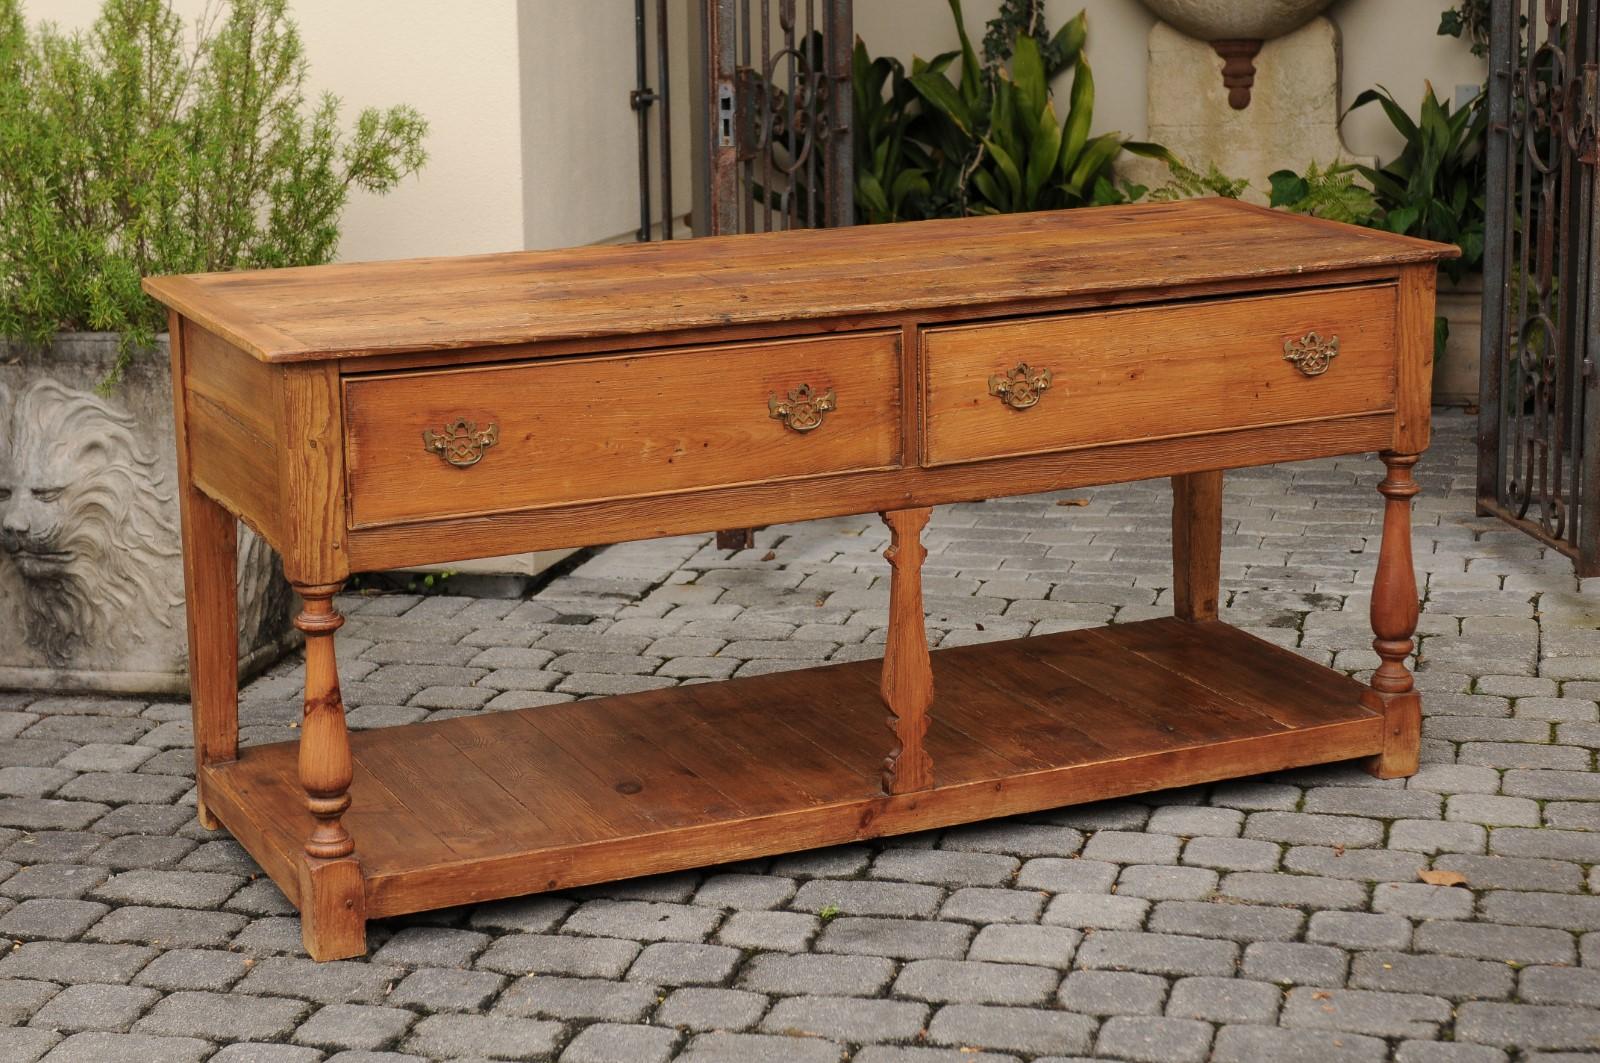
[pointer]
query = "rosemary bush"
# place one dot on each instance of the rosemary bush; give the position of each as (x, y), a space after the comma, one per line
(141, 148)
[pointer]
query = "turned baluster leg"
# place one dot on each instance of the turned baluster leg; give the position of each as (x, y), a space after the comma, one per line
(1196, 544)
(907, 684)
(1394, 621)
(332, 909)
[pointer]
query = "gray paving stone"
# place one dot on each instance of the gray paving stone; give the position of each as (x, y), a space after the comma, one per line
(128, 1048)
(94, 1007)
(979, 904)
(553, 996)
(431, 946)
(49, 918)
(1113, 993)
(846, 1019)
(357, 1026)
(1011, 1029)
(745, 892)
(26, 1046)
(975, 982)
(334, 982)
(1043, 946)
(808, 974)
(257, 1052)
(1291, 963)
(1098, 911)
(168, 927)
(905, 939)
(1238, 922)
(1379, 1014)
(222, 1017)
(21, 997)
(68, 962)
(1442, 1052)
(1169, 954)
(758, 1048)
(782, 931)
(711, 1009)
(193, 969)
(1528, 1026)
(853, 897)
(1454, 977)
(643, 920)
(1222, 1000)
(1162, 883)
(614, 1043)
(1269, 1044)
(1155, 1040)
(675, 963)
(434, 989)
(490, 1036)
(592, 957)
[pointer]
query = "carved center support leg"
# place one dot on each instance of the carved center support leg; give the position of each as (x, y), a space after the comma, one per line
(907, 684)
(1394, 621)
(332, 902)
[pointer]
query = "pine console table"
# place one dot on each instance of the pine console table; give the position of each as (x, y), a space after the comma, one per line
(381, 415)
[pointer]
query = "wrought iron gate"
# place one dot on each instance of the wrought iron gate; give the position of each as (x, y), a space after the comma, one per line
(1539, 416)
(769, 117)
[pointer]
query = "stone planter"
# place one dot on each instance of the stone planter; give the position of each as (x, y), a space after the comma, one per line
(1455, 371)
(91, 569)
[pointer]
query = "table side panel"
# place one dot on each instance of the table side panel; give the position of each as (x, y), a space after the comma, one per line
(231, 432)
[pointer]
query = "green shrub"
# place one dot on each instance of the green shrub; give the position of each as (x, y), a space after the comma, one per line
(142, 147)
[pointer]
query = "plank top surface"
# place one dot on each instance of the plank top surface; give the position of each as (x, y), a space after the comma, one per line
(348, 310)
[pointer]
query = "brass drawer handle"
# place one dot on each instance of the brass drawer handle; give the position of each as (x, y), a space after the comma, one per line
(1311, 354)
(802, 410)
(461, 443)
(1021, 387)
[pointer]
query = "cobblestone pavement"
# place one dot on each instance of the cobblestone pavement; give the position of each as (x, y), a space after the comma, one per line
(1275, 918)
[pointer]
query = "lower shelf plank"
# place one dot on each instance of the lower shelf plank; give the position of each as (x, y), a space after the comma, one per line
(502, 804)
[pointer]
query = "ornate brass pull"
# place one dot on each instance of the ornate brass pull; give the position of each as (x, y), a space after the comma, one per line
(461, 443)
(802, 410)
(1021, 387)
(1311, 354)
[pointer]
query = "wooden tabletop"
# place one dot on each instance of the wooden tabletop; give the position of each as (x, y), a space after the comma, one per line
(371, 308)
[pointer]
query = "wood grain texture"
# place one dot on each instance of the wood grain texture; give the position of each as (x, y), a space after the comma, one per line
(1395, 609)
(333, 909)
(210, 583)
(907, 684)
(480, 832)
(621, 520)
(311, 489)
(575, 430)
(1160, 372)
(1196, 544)
(324, 762)
(1414, 343)
(353, 309)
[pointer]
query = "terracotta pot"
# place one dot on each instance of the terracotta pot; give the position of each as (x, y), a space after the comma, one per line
(91, 568)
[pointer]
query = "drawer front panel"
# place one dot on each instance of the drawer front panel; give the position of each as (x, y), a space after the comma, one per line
(1071, 380)
(492, 439)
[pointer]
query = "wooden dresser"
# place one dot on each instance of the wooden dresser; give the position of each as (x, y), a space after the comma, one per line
(373, 416)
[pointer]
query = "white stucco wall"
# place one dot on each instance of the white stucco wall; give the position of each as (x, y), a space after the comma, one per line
(532, 142)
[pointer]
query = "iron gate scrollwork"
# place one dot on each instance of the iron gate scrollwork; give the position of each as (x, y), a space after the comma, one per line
(1539, 417)
(774, 149)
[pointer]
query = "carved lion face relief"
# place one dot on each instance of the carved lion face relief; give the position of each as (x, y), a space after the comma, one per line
(84, 520)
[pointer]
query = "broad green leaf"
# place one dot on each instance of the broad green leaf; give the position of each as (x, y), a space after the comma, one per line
(1008, 169)
(1027, 75)
(1070, 38)
(1079, 116)
(1096, 154)
(942, 95)
(1288, 188)
(971, 80)
(1042, 154)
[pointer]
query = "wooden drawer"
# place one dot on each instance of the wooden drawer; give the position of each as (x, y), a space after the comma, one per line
(1150, 372)
(496, 438)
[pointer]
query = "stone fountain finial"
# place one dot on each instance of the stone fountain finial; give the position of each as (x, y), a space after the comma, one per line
(1235, 29)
